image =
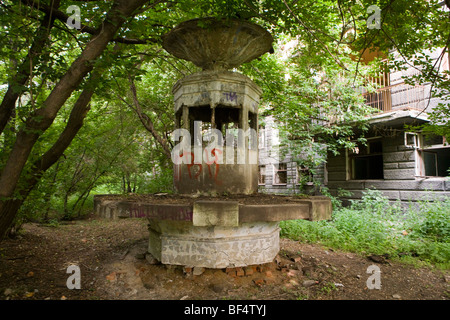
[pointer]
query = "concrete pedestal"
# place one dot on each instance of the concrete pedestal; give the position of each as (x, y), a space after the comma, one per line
(181, 243)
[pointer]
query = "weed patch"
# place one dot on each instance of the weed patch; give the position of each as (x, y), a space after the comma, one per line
(374, 226)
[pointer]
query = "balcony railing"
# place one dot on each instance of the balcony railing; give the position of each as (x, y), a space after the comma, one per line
(396, 96)
(380, 99)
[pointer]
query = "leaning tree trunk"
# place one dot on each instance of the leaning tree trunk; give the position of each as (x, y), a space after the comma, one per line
(24, 72)
(43, 117)
(75, 122)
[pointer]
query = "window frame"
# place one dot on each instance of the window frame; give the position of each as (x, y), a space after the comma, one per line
(351, 165)
(275, 174)
(435, 149)
(301, 168)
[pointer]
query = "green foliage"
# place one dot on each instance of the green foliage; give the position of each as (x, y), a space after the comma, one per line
(160, 181)
(434, 221)
(374, 226)
(313, 100)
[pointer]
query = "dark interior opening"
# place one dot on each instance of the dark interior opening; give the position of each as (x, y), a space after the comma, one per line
(436, 162)
(368, 163)
(368, 167)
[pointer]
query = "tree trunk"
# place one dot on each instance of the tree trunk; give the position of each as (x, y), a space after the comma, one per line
(42, 118)
(77, 115)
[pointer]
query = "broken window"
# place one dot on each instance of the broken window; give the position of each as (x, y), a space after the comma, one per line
(367, 161)
(304, 175)
(434, 157)
(411, 140)
(280, 176)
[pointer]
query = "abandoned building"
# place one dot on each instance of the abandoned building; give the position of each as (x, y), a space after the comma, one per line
(405, 166)
(278, 172)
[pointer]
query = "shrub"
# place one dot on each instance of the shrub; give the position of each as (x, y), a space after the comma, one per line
(434, 223)
(372, 225)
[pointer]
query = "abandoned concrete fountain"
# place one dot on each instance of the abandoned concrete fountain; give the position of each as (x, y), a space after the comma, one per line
(209, 222)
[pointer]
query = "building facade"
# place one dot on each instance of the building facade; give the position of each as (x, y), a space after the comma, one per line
(403, 165)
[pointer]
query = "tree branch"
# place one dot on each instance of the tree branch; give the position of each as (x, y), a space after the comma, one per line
(61, 16)
(147, 122)
(315, 37)
(26, 68)
(40, 120)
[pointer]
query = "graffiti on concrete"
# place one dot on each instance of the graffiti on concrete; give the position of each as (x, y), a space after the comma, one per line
(230, 96)
(215, 152)
(175, 212)
(194, 174)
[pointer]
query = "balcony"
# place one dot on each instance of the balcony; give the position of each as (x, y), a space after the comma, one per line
(390, 97)
(380, 99)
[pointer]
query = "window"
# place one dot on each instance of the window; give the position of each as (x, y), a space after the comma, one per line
(411, 140)
(434, 157)
(280, 176)
(261, 175)
(304, 175)
(436, 162)
(367, 161)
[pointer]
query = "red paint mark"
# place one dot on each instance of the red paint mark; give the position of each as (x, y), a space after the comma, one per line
(191, 164)
(217, 166)
(209, 162)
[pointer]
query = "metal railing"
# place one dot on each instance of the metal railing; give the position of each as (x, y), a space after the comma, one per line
(396, 96)
(380, 99)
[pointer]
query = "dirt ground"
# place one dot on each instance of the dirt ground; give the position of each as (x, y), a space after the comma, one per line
(111, 258)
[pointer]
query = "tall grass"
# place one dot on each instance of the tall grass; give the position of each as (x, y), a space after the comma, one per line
(372, 225)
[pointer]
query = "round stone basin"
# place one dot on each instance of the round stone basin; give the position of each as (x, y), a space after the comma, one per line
(218, 44)
(213, 232)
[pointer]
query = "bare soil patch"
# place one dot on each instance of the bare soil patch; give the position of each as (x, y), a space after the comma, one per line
(110, 254)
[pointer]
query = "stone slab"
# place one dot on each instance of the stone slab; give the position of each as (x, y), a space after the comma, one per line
(216, 213)
(399, 174)
(423, 196)
(349, 184)
(390, 194)
(426, 184)
(250, 213)
(320, 208)
(403, 156)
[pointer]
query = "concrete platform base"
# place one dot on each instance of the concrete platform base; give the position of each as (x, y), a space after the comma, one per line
(181, 243)
(216, 232)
